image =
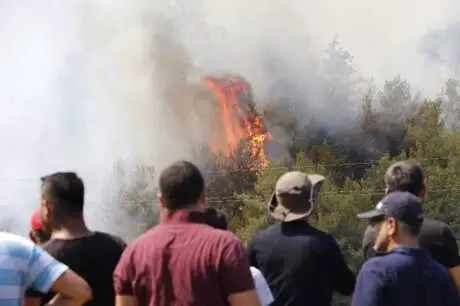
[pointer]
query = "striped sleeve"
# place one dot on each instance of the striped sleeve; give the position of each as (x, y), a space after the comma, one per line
(44, 270)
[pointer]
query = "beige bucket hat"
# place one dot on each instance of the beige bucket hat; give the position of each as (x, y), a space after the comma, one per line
(294, 196)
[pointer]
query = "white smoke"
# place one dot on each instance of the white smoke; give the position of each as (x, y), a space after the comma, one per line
(85, 83)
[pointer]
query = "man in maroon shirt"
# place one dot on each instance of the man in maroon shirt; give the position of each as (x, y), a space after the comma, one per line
(183, 261)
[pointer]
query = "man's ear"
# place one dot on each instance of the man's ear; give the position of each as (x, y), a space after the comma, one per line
(161, 200)
(32, 237)
(387, 190)
(422, 194)
(45, 210)
(203, 200)
(392, 224)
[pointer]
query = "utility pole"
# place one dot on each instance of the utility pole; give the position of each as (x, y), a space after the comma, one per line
(457, 54)
(457, 59)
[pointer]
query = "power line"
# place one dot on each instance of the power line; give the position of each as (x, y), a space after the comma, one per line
(356, 194)
(230, 169)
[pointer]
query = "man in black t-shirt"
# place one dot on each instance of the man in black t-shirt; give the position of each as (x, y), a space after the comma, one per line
(92, 255)
(435, 236)
(302, 265)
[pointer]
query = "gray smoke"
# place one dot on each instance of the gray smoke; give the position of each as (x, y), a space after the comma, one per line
(442, 47)
(87, 83)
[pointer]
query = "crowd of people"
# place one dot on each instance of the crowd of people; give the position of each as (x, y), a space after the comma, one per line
(191, 258)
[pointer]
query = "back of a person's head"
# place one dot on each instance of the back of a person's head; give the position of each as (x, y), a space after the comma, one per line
(65, 192)
(181, 185)
(411, 230)
(216, 218)
(405, 176)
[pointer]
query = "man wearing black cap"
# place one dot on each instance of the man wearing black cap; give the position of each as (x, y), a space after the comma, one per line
(402, 274)
(301, 264)
(435, 236)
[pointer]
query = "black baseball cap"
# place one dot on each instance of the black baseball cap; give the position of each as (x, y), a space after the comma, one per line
(403, 206)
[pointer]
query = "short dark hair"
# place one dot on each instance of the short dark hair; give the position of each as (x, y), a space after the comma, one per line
(181, 185)
(410, 229)
(42, 235)
(405, 176)
(216, 218)
(65, 191)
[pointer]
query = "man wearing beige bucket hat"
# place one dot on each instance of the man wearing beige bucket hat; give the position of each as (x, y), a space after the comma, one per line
(301, 264)
(294, 196)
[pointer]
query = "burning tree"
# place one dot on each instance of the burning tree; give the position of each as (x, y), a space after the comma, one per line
(240, 120)
(237, 158)
(234, 158)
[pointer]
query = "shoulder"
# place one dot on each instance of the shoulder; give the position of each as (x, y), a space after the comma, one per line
(390, 263)
(440, 269)
(111, 239)
(327, 237)
(441, 274)
(433, 227)
(224, 240)
(373, 264)
(438, 233)
(15, 245)
(378, 265)
(267, 232)
(373, 272)
(13, 239)
(210, 235)
(261, 238)
(323, 239)
(140, 242)
(51, 245)
(33, 258)
(372, 278)
(214, 236)
(224, 245)
(132, 251)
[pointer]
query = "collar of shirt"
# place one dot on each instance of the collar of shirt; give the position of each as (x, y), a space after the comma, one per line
(296, 223)
(182, 216)
(406, 251)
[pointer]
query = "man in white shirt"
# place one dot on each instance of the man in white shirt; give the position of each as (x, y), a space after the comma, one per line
(263, 291)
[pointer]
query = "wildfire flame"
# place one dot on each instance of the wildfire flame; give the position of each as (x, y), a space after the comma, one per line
(239, 119)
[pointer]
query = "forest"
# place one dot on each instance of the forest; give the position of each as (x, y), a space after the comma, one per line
(393, 124)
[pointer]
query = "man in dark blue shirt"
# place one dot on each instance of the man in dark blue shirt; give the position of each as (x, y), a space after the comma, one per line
(402, 274)
(435, 236)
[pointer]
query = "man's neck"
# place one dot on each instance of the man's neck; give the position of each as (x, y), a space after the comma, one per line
(70, 229)
(407, 243)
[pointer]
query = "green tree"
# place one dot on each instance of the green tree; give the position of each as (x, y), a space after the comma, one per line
(451, 104)
(137, 196)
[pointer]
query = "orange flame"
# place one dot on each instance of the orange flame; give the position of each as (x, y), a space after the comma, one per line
(238, 124)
